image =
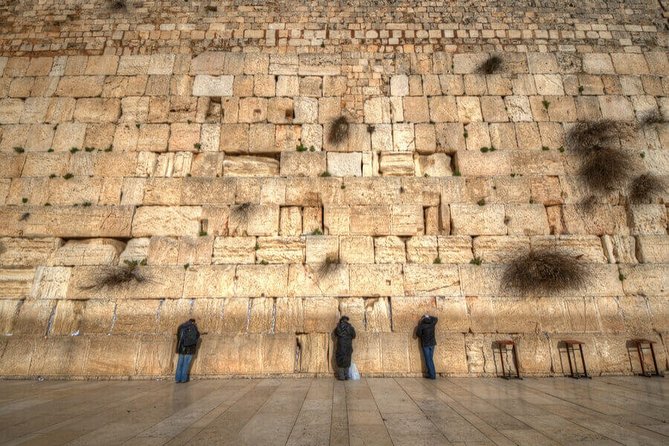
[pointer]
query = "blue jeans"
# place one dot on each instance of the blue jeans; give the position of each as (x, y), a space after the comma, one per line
(183, 366)
(428, 353)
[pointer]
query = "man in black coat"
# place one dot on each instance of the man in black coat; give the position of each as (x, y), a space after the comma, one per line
(187, 338)
(425, 331)
(344, 334)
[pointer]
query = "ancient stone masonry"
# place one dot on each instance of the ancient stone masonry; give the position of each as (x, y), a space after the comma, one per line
(267, 166)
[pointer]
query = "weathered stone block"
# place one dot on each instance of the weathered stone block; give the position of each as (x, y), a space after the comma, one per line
(165, 221)
(469, 219)
(377, 280)
(303, 164)
(389, 250)
(344, 164)
(651, 248)
(261, 280)
(281, 250)
(250, 166)
(396, 164)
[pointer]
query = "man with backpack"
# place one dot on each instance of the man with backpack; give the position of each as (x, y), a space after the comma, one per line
(187, 338)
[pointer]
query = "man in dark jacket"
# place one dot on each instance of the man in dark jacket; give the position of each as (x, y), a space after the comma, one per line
(425, 331)
(187, 338)
(344, 334)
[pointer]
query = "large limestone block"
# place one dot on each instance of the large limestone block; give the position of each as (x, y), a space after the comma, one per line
(214, 191)
(97, 110)
(111, 356)
(500, 249)
(407, 220)
(435, 165)
(469, 219)
(160, 283)
(209, 281)
(407, 311)
(289, 315)
(647, 219)
(318, 279)
(16, 355)
(319, 248)
(225, 355)
(454, 249)
(645, 279)
(321, 314)
(377, 110)
(422, 249)
(389, 249)
(217, 63)
(166, 221)
(254, 219)
(261, 280)
(155, 356)
(396, 164)
(136, 316)
(395, 352)
(426, 279)
(281, 249)
(473, 163)
(356, 249)
(278, 353)
(367, 353)
(33, 317)
(377, 314)
(370, 220)
(228, 315)
(16, 252)
(344, 164)
(8, 309)
(16, 283)
(526, 219)
(371, 191)
(88, 252)
(11, 164)
(534, 351)
(97, 317)
(162, 191)
(96, 221)
(601, 220)
(80, 86)
(377, 280)
(51, 282)
(60, 356)
(651, 249)
(303, 164)
(250, 166)
(68, 318)
(314, 351)
(217, 86)
(260, 313)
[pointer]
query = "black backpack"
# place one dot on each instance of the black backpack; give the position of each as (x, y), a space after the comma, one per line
(189, 335)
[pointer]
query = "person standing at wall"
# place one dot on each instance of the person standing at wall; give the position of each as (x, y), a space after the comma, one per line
(425, 331)
(344, 334)
(187, 339)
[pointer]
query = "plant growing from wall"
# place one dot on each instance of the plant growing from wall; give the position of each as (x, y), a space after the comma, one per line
(644, 188)
(584, 137)
(605, 170)
(651, 118)
(545, 272)
(339, 131)
(242, 213)
(130, 272)
(329, 267)
(491, 65)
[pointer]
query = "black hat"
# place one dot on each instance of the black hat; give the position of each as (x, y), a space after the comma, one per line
(343, 319)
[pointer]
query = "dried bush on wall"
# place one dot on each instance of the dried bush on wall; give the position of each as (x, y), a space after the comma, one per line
(584, 137)
(545, 272)
(242, 213)
(491, 65)
(339, 131)
(120, 276)
(651, 118)
(645, 187)
(605, 170)
(330, 267)
(118, 5)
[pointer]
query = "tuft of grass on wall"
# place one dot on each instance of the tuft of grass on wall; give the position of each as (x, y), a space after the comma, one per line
(542, 272)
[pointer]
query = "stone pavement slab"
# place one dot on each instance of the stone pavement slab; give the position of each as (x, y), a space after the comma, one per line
(324, 412)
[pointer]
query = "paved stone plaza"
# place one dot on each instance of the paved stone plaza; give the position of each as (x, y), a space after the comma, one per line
(312, 412)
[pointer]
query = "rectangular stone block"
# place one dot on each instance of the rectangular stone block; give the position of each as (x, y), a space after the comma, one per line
(166, 221)
(16, 252)
(469, 219)
(377, 280)
(50, 221)
(162, 282)
(206, 281)
(234, 250)
(318, 279)
(303, 164)
(281, 249)
(250, 166)
(111, 356)
(213, 86)
(426, 279)
(261, 280)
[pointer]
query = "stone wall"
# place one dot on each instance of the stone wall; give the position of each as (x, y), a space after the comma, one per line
(189, 142)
